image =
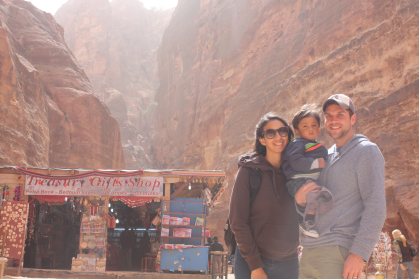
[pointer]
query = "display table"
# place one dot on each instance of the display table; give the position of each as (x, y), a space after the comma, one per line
(185, 259)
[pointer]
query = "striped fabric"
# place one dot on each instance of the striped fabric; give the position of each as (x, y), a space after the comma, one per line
(312, 146)
(313, 176)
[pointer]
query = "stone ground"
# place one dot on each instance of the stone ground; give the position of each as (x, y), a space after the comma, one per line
(231, 276)
(391, 275)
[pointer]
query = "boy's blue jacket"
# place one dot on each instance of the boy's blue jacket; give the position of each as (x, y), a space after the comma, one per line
(355, 176)
(299, 155)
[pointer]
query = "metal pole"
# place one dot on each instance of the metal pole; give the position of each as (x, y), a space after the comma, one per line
(225, 263)
(211, 266)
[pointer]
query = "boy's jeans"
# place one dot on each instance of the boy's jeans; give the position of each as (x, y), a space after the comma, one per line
(274, 269)
(293, 185)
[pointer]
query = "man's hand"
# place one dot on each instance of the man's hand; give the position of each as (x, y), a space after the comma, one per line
(402, 267)
(322, 163)
(259, 274)
(352, 269)
(300, 196)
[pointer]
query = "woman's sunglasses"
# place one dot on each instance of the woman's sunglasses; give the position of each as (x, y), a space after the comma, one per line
(271, 133)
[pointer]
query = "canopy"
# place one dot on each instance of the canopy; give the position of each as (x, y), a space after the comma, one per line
(134, 201)
(50, 199)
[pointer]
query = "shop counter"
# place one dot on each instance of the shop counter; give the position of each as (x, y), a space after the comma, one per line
(185, 259)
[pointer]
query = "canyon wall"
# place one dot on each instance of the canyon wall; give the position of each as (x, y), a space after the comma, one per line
(223, 64)
(49, 114)
(116, 44)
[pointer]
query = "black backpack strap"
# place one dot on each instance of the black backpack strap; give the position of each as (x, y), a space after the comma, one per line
(255, 179)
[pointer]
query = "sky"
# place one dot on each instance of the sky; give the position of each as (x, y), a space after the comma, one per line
(51, 6)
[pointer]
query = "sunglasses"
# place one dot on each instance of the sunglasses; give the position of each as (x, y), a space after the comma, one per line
(271, 133)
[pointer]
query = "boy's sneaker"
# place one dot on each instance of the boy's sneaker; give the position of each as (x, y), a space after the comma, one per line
(307, 228)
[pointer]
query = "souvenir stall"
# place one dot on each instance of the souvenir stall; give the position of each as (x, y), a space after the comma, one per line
(14, 218)
(95, 188)
(73, 213)
(138, 217)
(382, 255)
(185, 232)
(53, 232)
(183, 220)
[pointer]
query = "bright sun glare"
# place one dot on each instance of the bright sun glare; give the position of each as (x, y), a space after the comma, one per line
(51, 6)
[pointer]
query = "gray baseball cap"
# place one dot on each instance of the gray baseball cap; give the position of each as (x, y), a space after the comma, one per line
(342, 100)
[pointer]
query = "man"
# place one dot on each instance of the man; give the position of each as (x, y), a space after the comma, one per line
(354, 173)
(209, 241)
(145, 245)
(216, 247)
(127, 240)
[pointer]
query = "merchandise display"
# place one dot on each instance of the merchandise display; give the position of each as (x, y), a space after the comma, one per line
(382, 253)
(186, 221)
(93, 234)
(14, 217)
(166, 220)
(199, 221)
(173, 220)
(164, 232)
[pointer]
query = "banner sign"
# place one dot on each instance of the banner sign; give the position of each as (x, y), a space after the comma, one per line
(95, 185)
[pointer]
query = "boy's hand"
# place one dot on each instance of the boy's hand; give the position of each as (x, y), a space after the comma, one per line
(322, 163)
(300, 196)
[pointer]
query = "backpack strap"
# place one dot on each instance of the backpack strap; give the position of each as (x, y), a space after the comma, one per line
(255, 180)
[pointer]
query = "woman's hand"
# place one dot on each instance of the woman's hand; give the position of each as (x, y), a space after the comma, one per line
(402, 267)
(259, 274)
(300, 196)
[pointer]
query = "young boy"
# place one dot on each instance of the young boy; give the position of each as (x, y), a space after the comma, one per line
(303, 161)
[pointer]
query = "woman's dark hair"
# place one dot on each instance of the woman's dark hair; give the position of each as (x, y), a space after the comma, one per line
(260, 149)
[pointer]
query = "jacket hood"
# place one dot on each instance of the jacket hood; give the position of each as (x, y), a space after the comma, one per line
(352, 142)
(258, 161)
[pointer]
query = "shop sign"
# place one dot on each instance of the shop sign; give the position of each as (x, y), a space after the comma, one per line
(130, 186)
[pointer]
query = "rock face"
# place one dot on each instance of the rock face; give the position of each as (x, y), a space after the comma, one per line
(223, 64)
(49, 114)
(116, 44)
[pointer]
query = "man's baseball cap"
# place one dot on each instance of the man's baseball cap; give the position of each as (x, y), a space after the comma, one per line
(342, 100)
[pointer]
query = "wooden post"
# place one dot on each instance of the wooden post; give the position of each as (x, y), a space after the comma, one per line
(166, 208)
(3, 262)
(167, 182)
(105, 239)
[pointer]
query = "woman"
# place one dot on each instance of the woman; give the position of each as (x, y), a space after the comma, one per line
(266, 231)
(404, 256)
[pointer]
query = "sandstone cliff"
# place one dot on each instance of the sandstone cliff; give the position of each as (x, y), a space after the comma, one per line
(116, 43)
(49, 114)
(223, 64)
